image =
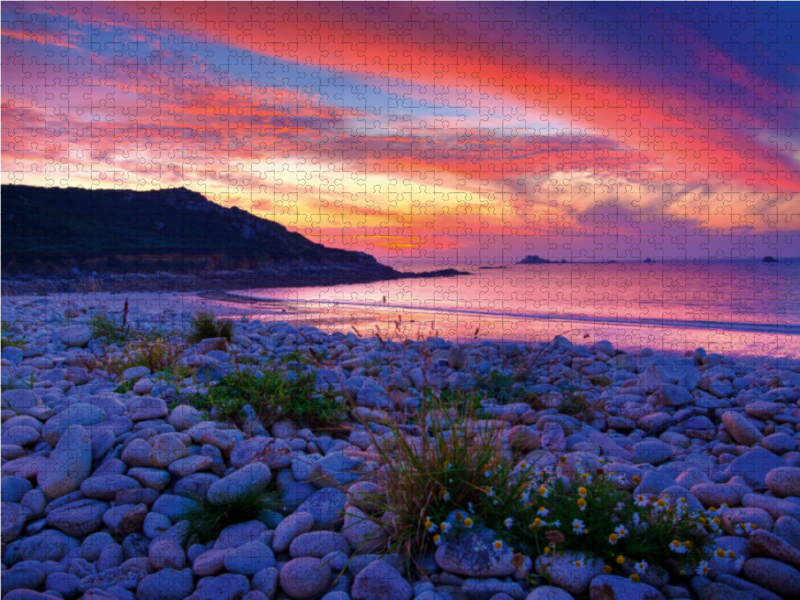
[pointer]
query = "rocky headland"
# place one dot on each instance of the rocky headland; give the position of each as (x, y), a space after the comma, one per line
(57, 240)
(108, 465)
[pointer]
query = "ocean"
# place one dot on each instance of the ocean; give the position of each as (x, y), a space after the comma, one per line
(733, 307)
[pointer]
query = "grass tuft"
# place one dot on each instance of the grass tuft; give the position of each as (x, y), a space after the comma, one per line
(208, 520)
(104, 326)
(156, 353)
(205, 325)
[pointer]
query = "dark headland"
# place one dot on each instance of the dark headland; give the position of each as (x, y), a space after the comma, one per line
(74, 239)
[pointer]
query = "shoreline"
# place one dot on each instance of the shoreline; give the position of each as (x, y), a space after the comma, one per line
(366, 318)
(283, 276)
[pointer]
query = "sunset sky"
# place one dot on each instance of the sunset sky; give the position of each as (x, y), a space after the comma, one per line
(458, 131)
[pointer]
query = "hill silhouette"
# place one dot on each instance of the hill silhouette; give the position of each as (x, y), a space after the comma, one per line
(45, 230)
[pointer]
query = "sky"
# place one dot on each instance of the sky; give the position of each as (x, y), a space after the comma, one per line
(455, 132)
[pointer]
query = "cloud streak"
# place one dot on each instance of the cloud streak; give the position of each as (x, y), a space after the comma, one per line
(408, 122)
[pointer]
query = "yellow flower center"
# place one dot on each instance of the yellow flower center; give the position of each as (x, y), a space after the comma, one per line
(635, 578)
(620, 559)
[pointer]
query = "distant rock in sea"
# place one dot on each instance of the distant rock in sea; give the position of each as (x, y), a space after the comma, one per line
(534, 259)
(769, 259)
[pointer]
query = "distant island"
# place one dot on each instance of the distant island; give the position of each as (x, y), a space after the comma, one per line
(163, 239)
(769, 259)
(534, 259)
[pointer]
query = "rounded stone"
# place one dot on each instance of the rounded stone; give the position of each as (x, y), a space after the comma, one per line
(239, 483)
(473, 554)
(105, 487)
(166, 450)
(784, 481)
(266, 581)
(79, 518)
(224, 587)
(380, 581)
(166, 554)
(304, 578)
(288, 529)
(774, 575)
(249, 558)
(167, 584)
(317, 544)
(562, 572)
(651, 451)
(548, 592)
(612, 587)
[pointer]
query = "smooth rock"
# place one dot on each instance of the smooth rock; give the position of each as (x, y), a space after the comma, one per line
(250, 558)
(239, 483)
(78, 519)
(612, 587)
(571, 571)
(473, 554)
(167, 584)
(380, 581)
(773, 575)
(304, 578)
(69, 464)
(295, 524)
(784, 481)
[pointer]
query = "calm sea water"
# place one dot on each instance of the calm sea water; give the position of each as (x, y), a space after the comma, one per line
(733, 307)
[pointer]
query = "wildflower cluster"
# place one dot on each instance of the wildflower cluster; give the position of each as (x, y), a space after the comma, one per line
(597, 515)
(457, 477)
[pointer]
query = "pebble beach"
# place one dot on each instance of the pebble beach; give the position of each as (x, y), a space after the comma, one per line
(101, 464)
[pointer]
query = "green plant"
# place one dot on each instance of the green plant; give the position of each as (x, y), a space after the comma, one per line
(457, 465)
(155, 353)
(575, 404)
(276, 393)
(456, 477)
(7, 329)
(205, 325)
(497, 385)
(125, 386)
(207, 520)
(4, 342)
(590, 513)
(104, 326)
(461, 400)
